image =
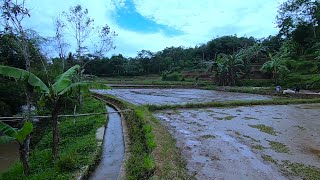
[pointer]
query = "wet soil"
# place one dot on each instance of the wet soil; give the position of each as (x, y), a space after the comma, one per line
(177, 96)
(8, 155)
(113, 150)
(233, 143)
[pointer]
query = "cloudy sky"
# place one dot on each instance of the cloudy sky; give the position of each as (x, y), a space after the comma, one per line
(154, 25)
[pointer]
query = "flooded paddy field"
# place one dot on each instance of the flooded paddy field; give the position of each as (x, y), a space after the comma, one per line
(177, 96)
(258, 142)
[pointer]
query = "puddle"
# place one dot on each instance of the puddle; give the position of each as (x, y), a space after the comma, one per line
(113, 150)
(231, 154)
(177, 96)
(8, 155)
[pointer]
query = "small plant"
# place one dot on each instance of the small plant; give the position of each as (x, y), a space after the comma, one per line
(279, 147)
(269, 158)
(265, 129)
(258, 147)
(208, 136)
(11, 134)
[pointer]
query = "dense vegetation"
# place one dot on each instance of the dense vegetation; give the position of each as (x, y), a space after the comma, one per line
(78, 147)
(292, 55)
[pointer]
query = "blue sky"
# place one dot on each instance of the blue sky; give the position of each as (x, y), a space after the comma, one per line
(154, 25)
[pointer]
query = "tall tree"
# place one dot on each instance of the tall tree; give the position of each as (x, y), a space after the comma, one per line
(294, 13)
(61, 45)
(81, 27)
(12, 15)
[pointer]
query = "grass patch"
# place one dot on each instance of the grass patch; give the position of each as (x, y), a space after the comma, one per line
(250, 118)
(305, 172)
(249, 137)
(265, 129)
(269, 158)
(279, 147)
(228, 118)
(282, 101)
(258, 147)
(208, 136)
(78, 147)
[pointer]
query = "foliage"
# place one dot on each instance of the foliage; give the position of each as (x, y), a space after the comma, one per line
(275, 66)
(78, 147)
(175, 76)
(10, 134)
(228, 69)
(234, 103)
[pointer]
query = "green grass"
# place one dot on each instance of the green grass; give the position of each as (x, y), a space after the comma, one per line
(244, 89)
(305, 172)
(249, 118)
(279, 147)
(265, 129)
(78, 147)
(258, 147)
(208, 136)
(150, 80)
(269, 158)
(282, 101)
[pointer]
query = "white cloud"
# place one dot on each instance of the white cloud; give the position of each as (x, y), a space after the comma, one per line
(200, 20)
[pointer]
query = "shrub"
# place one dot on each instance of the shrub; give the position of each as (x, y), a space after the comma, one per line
(67, 163)
(171, 76)
(255, 82)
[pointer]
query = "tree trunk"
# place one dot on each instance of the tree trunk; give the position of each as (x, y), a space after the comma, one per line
(55, 132)
(23, 152)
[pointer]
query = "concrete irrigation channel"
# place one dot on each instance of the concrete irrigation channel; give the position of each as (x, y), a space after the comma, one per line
(114, 147)
(247, 142)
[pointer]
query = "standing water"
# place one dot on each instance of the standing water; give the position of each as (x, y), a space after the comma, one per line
(113, 150)
(8, 155)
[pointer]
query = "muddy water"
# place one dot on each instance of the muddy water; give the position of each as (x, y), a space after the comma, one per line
(113, 150)
(220, 144)
(177, 96)
(8, 155)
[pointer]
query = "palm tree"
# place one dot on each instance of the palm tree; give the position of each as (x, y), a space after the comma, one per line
(52, 93)
(275, 66)
(10, 134)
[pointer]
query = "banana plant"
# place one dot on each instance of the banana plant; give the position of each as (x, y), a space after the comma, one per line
(11, 134)
(51, 93)
(276, 66)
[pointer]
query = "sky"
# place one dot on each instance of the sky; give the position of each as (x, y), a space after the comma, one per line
(154, 25)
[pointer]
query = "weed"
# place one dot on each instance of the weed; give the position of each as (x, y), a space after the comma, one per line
(281, 101)
(305, 172)
(265, 129)
(269, 158)
(279, 147)
(208, 136)
(250, 118)
(258, 147)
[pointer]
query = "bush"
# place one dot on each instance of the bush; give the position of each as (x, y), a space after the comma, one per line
(255, 82)
(293, 80)
(67, 163)
(171, 76)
